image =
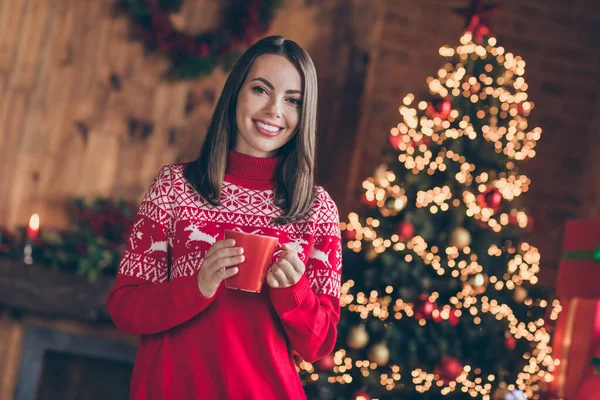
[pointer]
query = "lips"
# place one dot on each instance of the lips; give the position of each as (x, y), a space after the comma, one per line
(267, 129)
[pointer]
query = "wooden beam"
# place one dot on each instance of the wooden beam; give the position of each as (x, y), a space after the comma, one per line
(52, 292)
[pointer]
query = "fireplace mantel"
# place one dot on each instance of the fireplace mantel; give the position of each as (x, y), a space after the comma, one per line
(52, 292)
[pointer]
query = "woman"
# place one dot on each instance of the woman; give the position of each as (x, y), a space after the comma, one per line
(255, 173)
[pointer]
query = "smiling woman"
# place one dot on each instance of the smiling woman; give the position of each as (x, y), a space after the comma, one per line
(274, 83)
(255, 175)
(268, 106)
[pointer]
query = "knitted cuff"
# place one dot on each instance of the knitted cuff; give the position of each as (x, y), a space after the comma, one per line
(286, 299)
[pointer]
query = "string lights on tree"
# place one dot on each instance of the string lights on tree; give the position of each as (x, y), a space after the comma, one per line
(440, 294)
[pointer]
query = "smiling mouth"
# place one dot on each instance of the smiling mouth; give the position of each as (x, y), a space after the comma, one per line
(267, 129)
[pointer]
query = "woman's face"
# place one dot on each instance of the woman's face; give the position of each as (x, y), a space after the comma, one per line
(268, 106)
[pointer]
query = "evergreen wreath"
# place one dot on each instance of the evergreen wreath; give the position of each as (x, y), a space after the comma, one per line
(191, 55)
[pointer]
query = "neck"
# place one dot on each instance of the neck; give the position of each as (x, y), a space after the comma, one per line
(251, 171)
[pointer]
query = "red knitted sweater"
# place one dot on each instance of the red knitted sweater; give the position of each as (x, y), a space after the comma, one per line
(235, 345)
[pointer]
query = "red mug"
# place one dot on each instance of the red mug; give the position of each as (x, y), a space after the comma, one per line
(258, 254)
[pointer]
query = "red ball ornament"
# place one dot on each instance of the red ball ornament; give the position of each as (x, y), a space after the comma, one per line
(367, 202)
(440, 108)
(325, 364)
(519, 108)
(448, 369)
(395, 140)
(423, 307)
(360, 395)
(350, 234)
(509, 341)
(491, 198)
(405, 230)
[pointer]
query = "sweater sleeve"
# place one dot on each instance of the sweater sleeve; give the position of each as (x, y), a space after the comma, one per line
(142, 300)
(310, 309)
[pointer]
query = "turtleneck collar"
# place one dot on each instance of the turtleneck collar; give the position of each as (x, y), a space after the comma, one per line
(248, 168)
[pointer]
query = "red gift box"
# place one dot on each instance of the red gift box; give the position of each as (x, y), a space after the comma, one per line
(575, 339)
(590, 386)
(577, 335)
(579, 269)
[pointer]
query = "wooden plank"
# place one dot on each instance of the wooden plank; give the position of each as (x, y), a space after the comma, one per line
(59, 82)
(15, 106)
(163, 110)
(100, 166)
(33, 157)
(12, 14)
(83, 94)
(71, 107)
(30, 41)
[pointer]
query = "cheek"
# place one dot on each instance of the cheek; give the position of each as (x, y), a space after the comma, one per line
(243, 108)
(293, 119)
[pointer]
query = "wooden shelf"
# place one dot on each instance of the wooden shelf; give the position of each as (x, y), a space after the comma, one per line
(52, 292)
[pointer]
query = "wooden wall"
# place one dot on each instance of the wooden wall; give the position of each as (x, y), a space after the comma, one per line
(84, 110)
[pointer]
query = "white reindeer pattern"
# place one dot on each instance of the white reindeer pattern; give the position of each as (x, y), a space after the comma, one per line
(298, 244)
(321, 256)
(157, 246)
(198, 236)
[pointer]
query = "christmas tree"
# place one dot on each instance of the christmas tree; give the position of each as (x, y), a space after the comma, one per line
(439, 297)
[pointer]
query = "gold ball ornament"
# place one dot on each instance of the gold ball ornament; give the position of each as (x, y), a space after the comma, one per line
(358, 337)
(379, 354)
(520, 294)
(370, 253)
(460, 238)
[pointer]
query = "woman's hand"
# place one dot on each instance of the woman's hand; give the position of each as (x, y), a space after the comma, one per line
(287, 271)
(219, 264)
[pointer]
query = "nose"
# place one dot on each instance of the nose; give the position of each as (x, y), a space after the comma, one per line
(274, 108)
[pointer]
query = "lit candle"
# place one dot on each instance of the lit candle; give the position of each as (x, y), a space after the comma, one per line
(34, 227)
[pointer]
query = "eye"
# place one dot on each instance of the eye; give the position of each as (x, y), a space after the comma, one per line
(296, 102)
(259, 89)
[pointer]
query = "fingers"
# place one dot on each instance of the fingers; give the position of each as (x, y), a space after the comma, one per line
(222, 249)
(227, 272)
(222, 254)
(280, 274)
(284, 271)
(272, 281)
(226, 262)
(292, 258)
(284, 274)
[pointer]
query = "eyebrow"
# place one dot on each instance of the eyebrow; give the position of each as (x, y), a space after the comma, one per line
(270, 85)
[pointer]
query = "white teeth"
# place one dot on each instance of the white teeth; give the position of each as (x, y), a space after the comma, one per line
(267, 127)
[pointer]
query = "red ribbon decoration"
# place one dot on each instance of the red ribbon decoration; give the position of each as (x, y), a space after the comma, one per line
(477, 19)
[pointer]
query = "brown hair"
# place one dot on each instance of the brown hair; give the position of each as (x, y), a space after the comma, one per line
(294, 191)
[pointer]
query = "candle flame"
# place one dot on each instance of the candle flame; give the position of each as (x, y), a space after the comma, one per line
(34, 222)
